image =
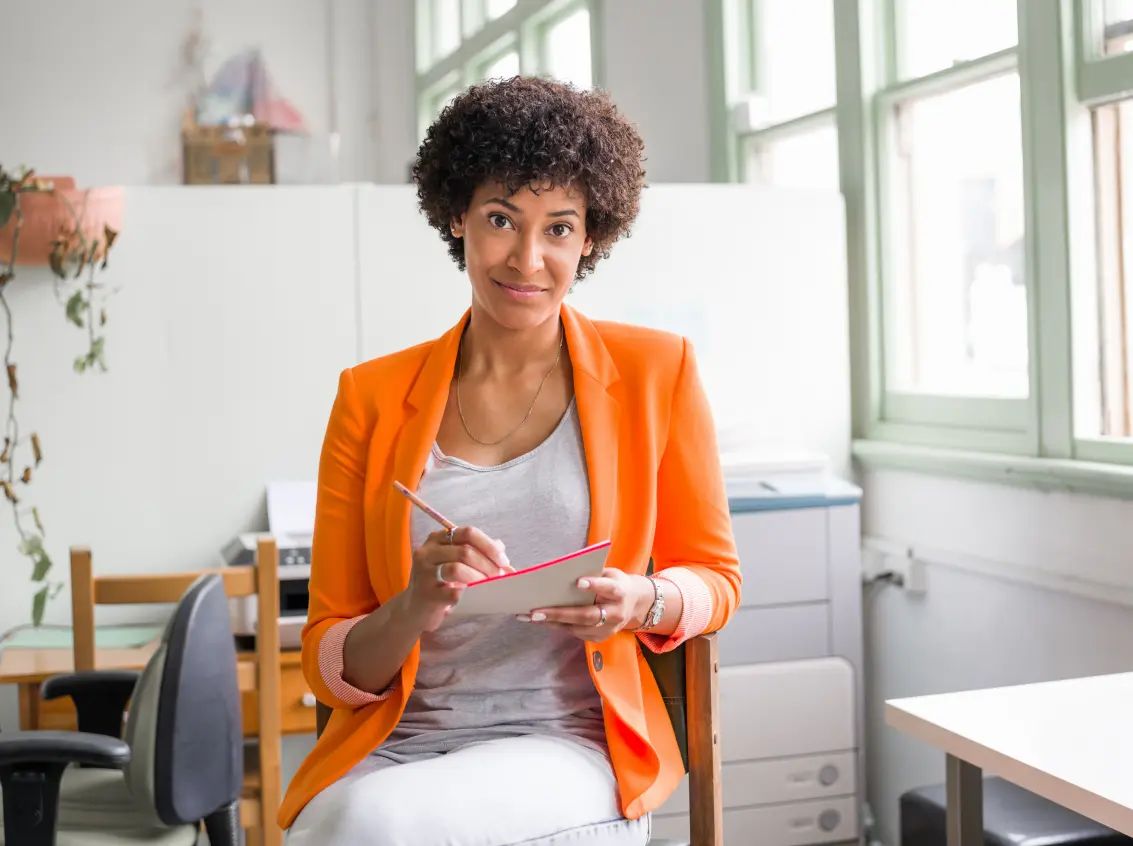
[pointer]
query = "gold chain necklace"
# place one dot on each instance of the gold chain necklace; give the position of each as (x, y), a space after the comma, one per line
(460, 410)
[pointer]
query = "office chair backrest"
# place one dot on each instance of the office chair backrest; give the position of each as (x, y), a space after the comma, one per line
(184, 726)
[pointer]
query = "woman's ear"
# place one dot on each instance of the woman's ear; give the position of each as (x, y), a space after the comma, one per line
(588, 247)
(458, 227)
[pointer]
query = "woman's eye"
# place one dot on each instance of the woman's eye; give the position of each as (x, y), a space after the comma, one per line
(560, 230)
(499, 221)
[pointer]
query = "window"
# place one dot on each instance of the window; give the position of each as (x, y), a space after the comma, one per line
(780, 85)
(933, 36)
(566, 49)
(1103, 297)
(462, 42)
(952, 320)
(985, 153)
(958, 305)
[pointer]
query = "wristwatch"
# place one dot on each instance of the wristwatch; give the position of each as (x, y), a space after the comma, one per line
(657, 610)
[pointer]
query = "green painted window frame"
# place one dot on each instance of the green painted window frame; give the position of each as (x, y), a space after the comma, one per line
(522, 28)
(1030, 442)
(734, 73)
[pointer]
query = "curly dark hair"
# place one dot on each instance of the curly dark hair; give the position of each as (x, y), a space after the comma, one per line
(532, 132)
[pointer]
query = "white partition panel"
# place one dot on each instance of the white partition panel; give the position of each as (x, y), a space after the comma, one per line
(235, 314)
(755, 276)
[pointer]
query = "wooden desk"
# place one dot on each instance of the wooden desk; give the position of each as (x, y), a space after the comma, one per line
(28, 668)
(1068, 741)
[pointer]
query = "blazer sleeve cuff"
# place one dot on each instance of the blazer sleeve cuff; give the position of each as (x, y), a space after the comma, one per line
(330, 667)
(696, 610)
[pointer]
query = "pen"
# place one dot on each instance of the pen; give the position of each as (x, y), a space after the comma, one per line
(424, 506)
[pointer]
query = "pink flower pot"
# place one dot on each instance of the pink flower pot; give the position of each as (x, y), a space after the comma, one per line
(48, 215)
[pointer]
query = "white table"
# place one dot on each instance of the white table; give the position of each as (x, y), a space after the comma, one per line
(1068, 741)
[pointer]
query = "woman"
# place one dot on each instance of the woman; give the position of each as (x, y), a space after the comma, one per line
(539, 432)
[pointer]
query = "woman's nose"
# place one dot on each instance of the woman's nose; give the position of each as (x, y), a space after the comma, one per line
(527, 257)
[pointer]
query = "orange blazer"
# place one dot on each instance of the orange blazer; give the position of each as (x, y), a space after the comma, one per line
(656, 489)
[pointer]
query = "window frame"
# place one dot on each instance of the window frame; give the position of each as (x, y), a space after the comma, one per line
(523, 28)
(1099, 79)
(1059, 247)
(973, 422)
(733, 79)
(1035, 442)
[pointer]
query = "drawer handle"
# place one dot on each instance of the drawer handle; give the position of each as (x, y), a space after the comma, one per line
(308, 700)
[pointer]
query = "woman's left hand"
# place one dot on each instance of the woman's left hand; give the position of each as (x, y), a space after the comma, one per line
(619, 597)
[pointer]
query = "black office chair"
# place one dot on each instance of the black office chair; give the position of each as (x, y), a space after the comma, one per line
(179, 765)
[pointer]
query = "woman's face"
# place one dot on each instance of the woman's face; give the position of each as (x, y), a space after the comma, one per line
(522, 251)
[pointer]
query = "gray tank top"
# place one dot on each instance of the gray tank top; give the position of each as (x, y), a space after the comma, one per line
(486, 678)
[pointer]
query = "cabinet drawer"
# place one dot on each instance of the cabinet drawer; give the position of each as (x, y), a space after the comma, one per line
(831, 820)
(297, 705)
(787, 633)
(776, 782)
(786, 709)
(782, 555)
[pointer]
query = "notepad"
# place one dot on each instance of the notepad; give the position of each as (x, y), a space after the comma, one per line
(552, 584)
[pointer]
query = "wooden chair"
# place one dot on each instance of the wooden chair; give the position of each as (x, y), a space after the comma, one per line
(258, 672)
(689, 678)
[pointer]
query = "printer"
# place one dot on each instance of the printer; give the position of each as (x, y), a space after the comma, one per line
(291, 521)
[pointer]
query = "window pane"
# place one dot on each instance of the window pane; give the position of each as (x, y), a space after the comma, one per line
(933, 35)
(795, 53)
(1118, 36)
(505, 67)
(445, 26)
(956, 308)
(1112, 348)
(567, 49)
(808, 160)
(495, 8)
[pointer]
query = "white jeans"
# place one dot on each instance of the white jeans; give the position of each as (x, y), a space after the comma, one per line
(533, 790)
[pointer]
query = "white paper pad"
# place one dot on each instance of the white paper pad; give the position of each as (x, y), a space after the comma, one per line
(549, 585)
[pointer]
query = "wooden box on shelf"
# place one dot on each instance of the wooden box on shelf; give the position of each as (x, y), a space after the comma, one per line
(223, 155)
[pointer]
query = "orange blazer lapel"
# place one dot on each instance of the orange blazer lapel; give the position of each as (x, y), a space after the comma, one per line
(598, 415)
(425, 406)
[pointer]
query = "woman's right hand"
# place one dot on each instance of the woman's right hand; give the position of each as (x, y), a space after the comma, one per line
(441, 570)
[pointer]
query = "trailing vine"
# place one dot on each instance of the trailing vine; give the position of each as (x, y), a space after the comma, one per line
(75, 260)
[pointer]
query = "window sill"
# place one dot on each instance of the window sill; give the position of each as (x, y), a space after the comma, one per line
(1046, 474)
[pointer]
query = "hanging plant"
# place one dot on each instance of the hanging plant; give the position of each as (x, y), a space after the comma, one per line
(48, 222)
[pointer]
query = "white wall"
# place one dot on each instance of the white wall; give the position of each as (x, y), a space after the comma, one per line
(96, 90)
(972, 630)
(656, 69)
(104, 103)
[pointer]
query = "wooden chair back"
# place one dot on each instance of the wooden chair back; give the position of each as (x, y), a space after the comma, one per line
(701, 701)
(259, 672)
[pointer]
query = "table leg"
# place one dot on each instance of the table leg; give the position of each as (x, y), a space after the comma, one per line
(965, 799)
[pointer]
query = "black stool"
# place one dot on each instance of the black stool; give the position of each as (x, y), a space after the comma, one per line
(1012, 817)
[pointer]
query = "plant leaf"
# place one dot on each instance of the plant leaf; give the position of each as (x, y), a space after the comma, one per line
(75, 308)
(38, 603)
(38, 522)
(7, 206)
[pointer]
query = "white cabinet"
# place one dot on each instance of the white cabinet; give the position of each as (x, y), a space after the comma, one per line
(790, 679)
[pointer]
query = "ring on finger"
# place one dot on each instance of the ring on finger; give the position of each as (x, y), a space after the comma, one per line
(449, 536)
(601, 617)
(440, 578)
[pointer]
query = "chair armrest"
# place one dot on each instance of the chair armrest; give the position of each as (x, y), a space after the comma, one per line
(100, 697)
(32, 765)
(18, 748)
(706, 802)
